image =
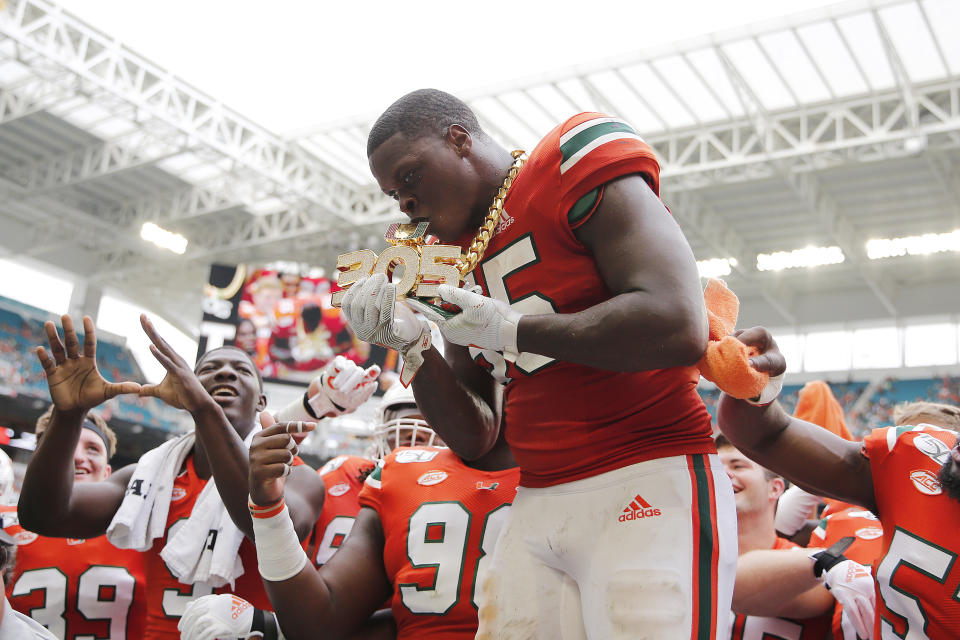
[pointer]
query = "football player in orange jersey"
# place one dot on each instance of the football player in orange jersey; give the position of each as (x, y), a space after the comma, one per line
(805, 616)
(841, 520)
(78, 588)
(908, 476)
(579, 329)
(223, 395)
(399, 424)
(422, 538)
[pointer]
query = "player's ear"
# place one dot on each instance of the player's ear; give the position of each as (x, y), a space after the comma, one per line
(109, 470)
(262, 403)
(777, 487)
(460, 138)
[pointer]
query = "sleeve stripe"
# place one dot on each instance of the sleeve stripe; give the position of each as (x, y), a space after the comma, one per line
(583, 126)
(892, 436)
(593, 144)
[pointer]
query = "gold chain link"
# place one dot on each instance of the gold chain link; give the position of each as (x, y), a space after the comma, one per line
(478, 247)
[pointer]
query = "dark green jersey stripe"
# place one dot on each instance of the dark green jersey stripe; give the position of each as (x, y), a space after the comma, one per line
(590, 134)
(583, 206)
(705, 549)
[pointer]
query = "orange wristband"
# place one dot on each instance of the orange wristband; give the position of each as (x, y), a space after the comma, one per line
(267, 511)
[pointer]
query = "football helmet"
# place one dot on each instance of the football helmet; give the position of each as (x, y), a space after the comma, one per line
(393, 430)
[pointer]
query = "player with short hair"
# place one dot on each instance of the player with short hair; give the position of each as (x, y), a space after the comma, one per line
(223, 395)
(422, 539)
(580, 347)
(78, 588)
(908, 476)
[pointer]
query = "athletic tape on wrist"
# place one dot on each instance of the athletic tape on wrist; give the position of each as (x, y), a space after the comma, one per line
(769, 393)
(279, 554)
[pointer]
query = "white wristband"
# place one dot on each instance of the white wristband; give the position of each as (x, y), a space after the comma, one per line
(279, 554)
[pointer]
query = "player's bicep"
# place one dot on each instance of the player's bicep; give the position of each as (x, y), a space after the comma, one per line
(92, 507)
(638, 245)
(304, 494)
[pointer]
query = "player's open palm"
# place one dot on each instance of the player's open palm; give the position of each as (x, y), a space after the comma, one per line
(180, 388)
(72, 375)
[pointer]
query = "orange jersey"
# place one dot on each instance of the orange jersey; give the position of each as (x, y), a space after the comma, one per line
(167, 598)
(343, 479)
(760, 628)
(77, 588)
(917, 575)
(864, 528)
(441, 520)
(568, 421)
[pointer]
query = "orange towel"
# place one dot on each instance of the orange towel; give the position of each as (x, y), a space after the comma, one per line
(817, 404)
(726, 362)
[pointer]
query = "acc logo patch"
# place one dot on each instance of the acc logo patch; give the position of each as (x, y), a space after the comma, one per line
(932, 448)
(432, 477)
(926, 482)
(178, 493)
(25, 537)
(339, 489)
(75, 541)
(415, 455)
(869, 533)
(332, 465)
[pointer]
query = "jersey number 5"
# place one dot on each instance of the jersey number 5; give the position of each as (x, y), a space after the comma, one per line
(516, 256)
(915, 553)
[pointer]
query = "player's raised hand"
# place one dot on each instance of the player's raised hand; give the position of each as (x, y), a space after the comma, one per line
(180, 388)
(768, 359)
(341, 387)
(72, 375)
(370, 308)
(271, 457)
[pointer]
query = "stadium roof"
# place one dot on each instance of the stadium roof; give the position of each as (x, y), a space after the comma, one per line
(829, 128)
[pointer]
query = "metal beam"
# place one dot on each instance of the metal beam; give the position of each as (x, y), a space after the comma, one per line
(96, 59)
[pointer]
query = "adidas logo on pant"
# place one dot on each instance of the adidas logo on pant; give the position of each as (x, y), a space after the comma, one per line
(637, 509)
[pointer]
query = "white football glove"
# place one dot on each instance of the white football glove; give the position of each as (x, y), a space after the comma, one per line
(371, 309)
(853, 587)
(793, 509)
(484, 323)
(341, 387)
(218, 617)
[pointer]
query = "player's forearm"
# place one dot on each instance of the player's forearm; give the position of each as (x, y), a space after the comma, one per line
(768, 582)
(45, 496)
(465, 422)
(633, 331)
(319, 619)
(229, 462)
(807, 455)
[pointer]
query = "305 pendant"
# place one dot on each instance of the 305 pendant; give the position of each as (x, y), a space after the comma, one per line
(425, 266)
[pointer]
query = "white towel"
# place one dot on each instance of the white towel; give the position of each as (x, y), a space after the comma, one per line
(142, 516)
(187, 552)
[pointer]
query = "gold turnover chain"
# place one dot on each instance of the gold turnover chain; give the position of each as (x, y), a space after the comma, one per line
(474, 254)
